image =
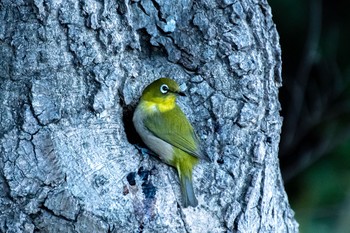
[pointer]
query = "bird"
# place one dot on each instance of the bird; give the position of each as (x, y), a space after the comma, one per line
(166, 131)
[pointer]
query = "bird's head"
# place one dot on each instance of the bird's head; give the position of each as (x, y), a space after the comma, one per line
(163, 91)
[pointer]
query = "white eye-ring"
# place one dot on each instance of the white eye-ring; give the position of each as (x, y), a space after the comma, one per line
(164, 88)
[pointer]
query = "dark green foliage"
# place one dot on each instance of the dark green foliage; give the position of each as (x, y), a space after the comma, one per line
(315, 100)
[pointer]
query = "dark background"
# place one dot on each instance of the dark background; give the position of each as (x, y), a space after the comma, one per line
(315, 98)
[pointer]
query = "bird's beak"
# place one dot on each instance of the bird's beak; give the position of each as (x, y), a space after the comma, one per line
(181, 93)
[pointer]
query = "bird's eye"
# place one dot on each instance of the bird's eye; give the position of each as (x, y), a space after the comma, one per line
(164, 88)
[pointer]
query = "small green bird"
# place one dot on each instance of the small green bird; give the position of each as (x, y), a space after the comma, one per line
(164, 128)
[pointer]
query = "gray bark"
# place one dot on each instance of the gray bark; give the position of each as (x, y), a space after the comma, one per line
(72, 72)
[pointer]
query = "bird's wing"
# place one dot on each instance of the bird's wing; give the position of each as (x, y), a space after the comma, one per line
(174, 128)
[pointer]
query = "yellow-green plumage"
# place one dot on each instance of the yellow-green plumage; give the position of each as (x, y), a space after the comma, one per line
(165, 130)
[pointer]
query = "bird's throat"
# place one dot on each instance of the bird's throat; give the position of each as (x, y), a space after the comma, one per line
(161, 106)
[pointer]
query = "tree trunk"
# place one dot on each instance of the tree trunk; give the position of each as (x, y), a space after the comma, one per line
(71, 74)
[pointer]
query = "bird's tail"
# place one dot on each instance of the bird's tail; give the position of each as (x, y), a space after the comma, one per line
(189, 199)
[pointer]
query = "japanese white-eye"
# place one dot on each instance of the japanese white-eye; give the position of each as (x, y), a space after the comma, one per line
(164, 128)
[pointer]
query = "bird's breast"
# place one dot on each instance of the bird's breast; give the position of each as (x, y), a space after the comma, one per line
(163, 149)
